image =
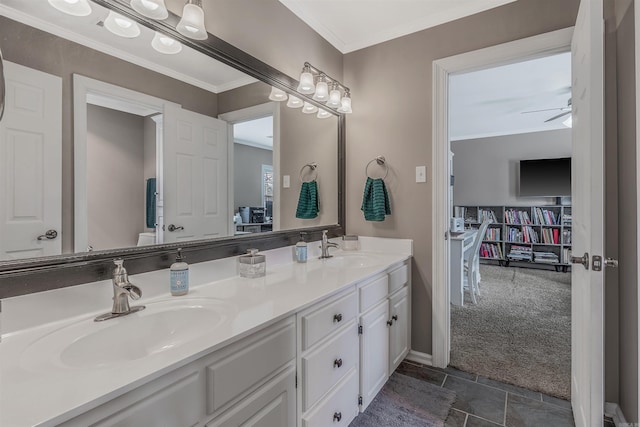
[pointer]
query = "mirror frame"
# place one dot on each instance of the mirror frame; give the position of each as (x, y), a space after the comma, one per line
(20, 277)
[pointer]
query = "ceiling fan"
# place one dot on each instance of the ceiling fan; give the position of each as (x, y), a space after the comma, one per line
(564, 111)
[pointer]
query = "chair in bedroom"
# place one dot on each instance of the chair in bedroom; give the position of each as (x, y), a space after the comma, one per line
(472, 263)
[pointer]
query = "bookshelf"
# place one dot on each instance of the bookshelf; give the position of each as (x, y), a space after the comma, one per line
(536, 235)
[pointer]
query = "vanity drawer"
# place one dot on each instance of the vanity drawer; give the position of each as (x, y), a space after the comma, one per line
(339, 408)
(323, 367)
(248, 364)
(373, 292)
(330, 317)
(398, 278)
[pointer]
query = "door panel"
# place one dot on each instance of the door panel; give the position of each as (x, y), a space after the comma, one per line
(374, 352)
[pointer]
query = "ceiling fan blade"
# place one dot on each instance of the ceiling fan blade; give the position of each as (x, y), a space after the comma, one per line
(541, 111)
(558, 116)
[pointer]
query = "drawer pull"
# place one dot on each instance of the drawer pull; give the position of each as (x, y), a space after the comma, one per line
(395, 317)
(337, 318)
(337, 363)
(389, 322)
(337, 416)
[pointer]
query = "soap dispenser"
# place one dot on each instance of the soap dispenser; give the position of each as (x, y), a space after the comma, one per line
(179, 276)
(301, 249)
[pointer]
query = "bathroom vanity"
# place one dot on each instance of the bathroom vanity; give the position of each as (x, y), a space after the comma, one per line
(307, 345)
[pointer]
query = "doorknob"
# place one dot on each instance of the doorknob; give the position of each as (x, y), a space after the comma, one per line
(610, 262)
(584, 260)
(50, 235)
(175, 228)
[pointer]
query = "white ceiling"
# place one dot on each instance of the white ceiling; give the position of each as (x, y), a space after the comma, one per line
(256, 133)
(189, 66)
(493, 102)
(355, 24)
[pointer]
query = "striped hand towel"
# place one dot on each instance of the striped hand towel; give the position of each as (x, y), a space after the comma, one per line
(375, 201)
(308, 204)
(150, 217)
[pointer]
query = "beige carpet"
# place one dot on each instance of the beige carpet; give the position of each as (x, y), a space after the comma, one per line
(520, 330)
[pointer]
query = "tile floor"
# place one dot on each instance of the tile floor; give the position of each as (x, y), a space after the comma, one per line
(482, 402)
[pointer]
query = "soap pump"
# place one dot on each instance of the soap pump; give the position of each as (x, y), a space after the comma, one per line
(179, 276)
(301, 249)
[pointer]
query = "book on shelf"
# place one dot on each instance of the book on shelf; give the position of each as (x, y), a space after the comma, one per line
(550, 236)
(513, 216)
(545, 216)
(566, 237)
(566, 255)
(566, 219)
(490, 250)
(520, 253)
(484, 214)
(492, 234)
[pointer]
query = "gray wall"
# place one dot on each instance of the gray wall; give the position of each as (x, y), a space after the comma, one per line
(486, 169)
(627, 212)
(115, 185)
(45, 52)
(247, 183)
(391, 88)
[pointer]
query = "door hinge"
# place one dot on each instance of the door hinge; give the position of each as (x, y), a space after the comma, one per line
(359, 329)
(359, 400)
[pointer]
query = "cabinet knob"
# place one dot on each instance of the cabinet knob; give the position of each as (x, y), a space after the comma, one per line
(389, 322)
(337, 363)
(337, 416)
(395, 317)
(337, 318)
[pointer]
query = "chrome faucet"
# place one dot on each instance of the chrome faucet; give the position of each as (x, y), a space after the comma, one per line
(326, 244)
(122, 290)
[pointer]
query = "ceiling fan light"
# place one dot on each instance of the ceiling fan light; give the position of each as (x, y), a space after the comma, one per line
(323, 114)
(322, 90)
(306, 86)
(154, 9)
(294, 102)
(277, 94)
(309, 108)
(121, 26)
(72, 7)
(165, 44)
(192, 23)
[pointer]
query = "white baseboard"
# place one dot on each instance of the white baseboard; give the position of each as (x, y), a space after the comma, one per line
(418, 357)
(613, 411)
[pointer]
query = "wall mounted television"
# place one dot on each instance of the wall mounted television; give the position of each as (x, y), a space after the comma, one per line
(545, 177)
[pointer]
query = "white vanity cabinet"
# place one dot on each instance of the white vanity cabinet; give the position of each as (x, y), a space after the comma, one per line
(385, 330)
(328, 361)
(250, 381)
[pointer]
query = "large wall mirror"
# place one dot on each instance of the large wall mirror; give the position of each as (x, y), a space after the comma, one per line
(113, 148)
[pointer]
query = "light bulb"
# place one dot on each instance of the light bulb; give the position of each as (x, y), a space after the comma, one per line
(294, 102)
(334, 97)
(323, 114)
(72, 7)
(154, 9)
(277, 94)
(165, 44)
(306, 86)
(121, 26)
(322, 90)
(309, 108)
(192, 23)
(345, 106)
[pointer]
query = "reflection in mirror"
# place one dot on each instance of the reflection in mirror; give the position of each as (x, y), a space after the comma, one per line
(112, 144)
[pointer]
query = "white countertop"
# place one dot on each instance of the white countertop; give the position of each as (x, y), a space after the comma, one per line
(47, 393)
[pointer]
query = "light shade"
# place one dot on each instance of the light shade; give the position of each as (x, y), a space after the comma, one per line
(322, 90)
(277, 94)
(309, 108)
(72, 7)
(154, 9)
(294, 102)
(165, 44)
(306, 86)
(569, 122)
(346, 104)
(121, 26)
(323, 114)
(334, 97)
(192, 23)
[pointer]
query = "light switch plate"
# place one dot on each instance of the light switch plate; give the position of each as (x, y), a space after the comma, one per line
(421, 174)
(286, 181)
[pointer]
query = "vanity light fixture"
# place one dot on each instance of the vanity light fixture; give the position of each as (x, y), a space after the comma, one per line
(192, 22)
(338, 98)
(72, 7)
(277, 94)
(294, 102)
(309, 108)
(165, 44)
(323, 114)
(154, 9)
(121, 26)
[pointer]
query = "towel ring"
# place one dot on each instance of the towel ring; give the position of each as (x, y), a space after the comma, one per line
(314, 168)
(382, 162)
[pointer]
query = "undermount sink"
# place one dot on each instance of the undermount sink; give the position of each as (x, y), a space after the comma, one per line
(161, 327)
(348, 260)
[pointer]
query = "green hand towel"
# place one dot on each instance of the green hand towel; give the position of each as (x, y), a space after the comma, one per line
(375, 201)
(308, 204)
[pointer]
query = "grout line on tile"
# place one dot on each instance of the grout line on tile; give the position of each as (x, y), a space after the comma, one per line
(419, 365)
(466, 418)
(506, 401)
(444, 380)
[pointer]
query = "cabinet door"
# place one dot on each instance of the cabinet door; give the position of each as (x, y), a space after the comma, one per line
(374, 352)
(399, 330)
(274, 404)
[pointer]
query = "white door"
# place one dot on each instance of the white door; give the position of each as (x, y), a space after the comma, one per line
(194, 176)
(30, 164)
(587, 364)
(399, 329)
(374, 352)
